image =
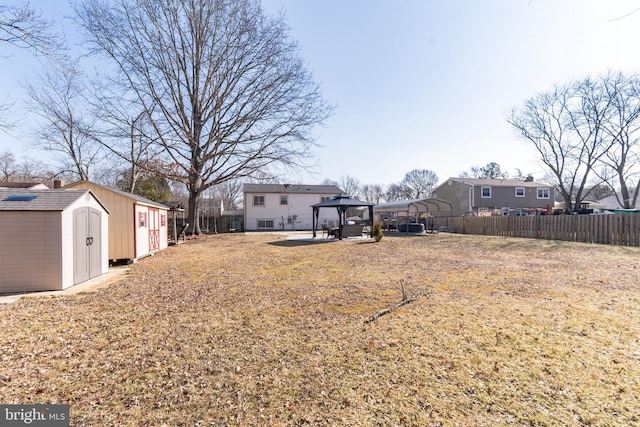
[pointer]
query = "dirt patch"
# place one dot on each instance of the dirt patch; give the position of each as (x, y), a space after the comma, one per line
(250, 330)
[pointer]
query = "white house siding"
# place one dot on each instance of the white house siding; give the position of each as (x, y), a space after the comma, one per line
(30, 251)
(68, 238)
(298, 205)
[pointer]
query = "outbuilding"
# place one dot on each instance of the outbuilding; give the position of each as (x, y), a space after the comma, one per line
(138, 227)
(51, 239)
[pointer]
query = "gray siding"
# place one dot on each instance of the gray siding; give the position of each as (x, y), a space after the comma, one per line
(457, 194)
(30, 251)
(459, 191)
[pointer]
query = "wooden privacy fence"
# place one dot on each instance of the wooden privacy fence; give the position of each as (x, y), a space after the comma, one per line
(623, 230)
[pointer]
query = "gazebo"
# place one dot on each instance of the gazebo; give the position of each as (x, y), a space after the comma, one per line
(415, 207)
(341, 202)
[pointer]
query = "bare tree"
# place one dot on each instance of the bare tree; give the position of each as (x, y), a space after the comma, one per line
(419, 183)
(372, 193)
(621, 162)
(7, 166)
(27, 170)
(58, 98)
(127, 135)
(229, 193)
(232, 96)
(489, 171)
(350, 186)
(22, 27)
(567, 127)
(396, 192)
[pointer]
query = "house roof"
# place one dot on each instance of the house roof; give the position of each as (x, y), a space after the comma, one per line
(499, 182)
(39, 200)
(611, 202)
(26, 185)
(132, 196)
(291, 188)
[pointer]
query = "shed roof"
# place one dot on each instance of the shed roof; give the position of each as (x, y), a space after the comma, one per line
(132, 196)
(291, 188)
(40, 200)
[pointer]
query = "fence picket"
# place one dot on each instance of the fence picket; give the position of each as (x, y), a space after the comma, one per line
(623, 230)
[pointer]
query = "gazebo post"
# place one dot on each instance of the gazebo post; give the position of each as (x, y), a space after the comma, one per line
(314, 220)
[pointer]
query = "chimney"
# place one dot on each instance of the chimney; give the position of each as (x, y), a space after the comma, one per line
(529, 178)
(58, 183)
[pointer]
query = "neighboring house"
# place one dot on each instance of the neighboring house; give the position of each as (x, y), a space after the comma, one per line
(24, 185)
(138, 227)
(611, 202)
(51, 239)
(472, 195)
(286, 207)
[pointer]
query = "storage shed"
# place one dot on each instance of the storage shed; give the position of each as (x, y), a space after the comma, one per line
(137, 225)
(51, 239)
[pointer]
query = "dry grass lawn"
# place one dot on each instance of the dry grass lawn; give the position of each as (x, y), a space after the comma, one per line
(255, 330)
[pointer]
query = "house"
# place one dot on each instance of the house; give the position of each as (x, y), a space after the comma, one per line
(286, 206)
(611, 203)
(138, 227)
(51, 239)
(486, 196)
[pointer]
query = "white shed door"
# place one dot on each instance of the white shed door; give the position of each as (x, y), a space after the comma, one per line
(87, 242)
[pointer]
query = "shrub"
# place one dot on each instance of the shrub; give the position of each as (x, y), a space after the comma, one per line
(376, 233)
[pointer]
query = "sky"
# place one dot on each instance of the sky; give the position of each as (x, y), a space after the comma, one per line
(423, 84)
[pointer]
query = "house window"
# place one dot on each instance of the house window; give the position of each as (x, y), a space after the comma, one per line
(142, 219)
(519, 191)
(543, 193)
(265, 223)
(486, 192)
(258, 200)
(324, 198)
(284, 199)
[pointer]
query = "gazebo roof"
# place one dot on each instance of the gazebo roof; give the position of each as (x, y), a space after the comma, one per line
(341, 200)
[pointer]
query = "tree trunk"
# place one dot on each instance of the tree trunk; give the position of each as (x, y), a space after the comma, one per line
(194, 213)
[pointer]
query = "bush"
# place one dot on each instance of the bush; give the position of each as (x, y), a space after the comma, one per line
(376, 233)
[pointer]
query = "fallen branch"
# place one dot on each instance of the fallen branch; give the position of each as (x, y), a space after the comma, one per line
(390, 309)
(405, 300)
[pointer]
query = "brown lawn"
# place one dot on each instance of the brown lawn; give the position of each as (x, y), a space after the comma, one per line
(256, 330)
